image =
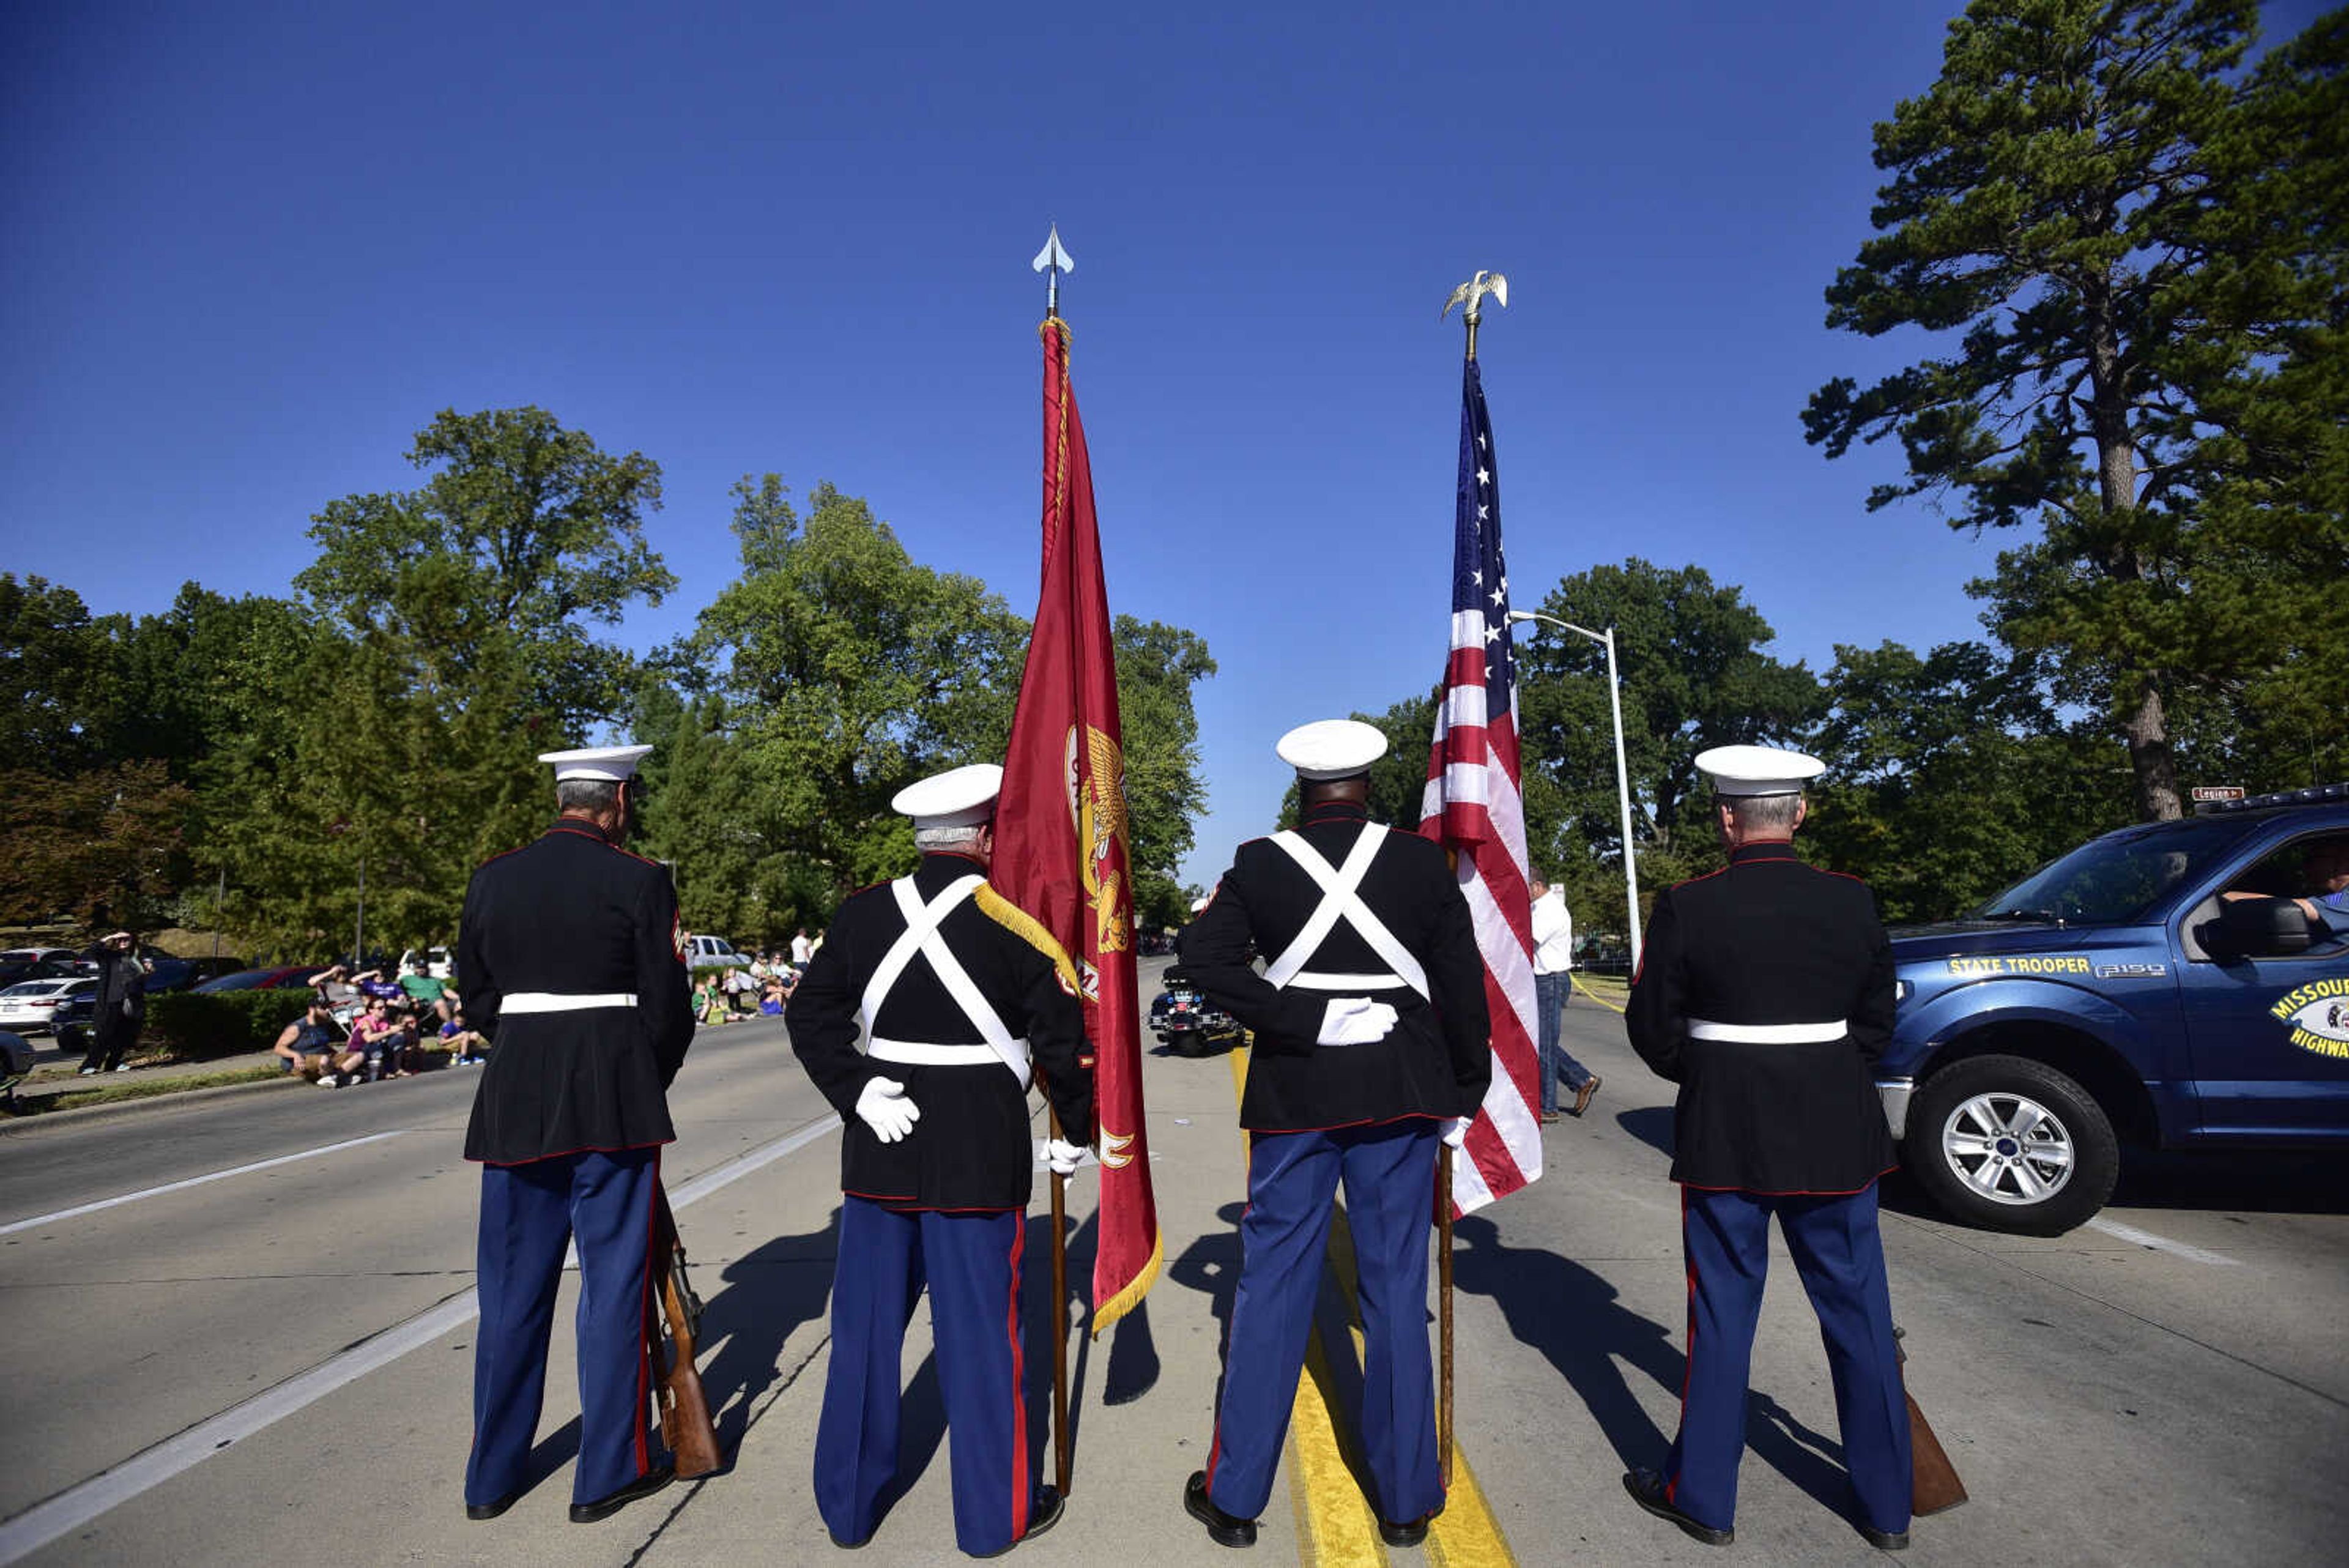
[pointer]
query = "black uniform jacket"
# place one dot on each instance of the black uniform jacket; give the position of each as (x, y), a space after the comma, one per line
(572, 914)
(972, 1147)
(1438, 1058)
(1768, 941)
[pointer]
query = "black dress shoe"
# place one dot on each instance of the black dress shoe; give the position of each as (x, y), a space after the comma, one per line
(1885, 1540)
(605, 1507)
(1410, 1533)
(1647, 1490)
(1042, 1514)
(492, 1509)
(1222, 1529)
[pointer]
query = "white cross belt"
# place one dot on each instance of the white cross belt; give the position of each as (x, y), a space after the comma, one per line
(921, 936)
(1341, 898)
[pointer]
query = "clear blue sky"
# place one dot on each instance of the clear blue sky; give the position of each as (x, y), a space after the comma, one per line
(247, 251)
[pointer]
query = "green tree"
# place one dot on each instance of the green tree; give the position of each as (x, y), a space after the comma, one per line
(96, 846)
(2137, 309)
(1691, 656)
(58, 677)
(1157, 665)
(1951, 775)
(849, 669)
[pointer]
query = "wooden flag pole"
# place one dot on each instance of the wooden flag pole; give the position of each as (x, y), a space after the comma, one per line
(1444, 1307)
(1060, 1314)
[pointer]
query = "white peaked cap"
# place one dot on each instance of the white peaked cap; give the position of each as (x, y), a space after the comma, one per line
(1758, 769)
(1199, 904)
(959, 797)
(610, 764)
(1331, 749)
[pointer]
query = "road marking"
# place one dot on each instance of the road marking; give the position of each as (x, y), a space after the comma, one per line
(70, 1509)
(2135, 1237)
(1336, 1524)
(80, 1209)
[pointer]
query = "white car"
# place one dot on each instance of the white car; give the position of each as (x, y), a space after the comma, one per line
(434, 962)
(28, 1006)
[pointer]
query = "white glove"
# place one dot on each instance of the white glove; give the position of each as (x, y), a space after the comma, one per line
(885, 1109)
(1456, 1131)
(1063, 1155)
(1354, 1021)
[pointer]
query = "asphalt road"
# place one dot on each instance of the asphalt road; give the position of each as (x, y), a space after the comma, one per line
(274, 1366)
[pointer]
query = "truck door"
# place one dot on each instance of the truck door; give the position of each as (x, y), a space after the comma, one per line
(2269, 1036)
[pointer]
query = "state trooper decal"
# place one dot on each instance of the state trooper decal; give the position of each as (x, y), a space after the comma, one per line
(2318, 1015)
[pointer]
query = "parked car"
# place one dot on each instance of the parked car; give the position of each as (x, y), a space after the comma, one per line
(68, 956)
(2156, 987)
(30, 1006)
(1186, 1022)
(272, 978)
(439, 963)
(15, 971)
(712, 952)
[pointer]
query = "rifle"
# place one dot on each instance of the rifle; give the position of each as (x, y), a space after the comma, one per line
(683, 1407)
(1933, 1485)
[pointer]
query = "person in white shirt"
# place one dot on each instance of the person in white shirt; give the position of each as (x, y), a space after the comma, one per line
(1553, 935)
(801, 948)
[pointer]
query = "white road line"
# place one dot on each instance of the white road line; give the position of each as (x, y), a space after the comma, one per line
(81, 1209)
(2131, 1234)
(77, 1505)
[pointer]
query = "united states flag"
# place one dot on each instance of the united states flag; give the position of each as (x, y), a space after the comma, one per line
(1472, 807)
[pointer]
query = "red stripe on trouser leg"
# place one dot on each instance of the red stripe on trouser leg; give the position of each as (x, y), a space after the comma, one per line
(645, 1324)
(1216, 1441)
(1688, 1365)
(1022, 1494)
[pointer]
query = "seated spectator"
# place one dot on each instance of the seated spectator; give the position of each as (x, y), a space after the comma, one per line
(382, 1039)
(741, 996)
(708, 1000)
(334, 988)
(424, 991)
(311, 1045)
(467, 1042)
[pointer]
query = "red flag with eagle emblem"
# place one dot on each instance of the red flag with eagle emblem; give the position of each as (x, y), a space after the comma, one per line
(1061, 850)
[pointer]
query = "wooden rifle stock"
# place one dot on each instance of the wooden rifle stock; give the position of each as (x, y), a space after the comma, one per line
(685, 1421)
(1933, 1482)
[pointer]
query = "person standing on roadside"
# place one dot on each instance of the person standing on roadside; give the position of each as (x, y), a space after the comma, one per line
(1553, 934)
(962, 1000)
(573, 957)
(1372, 1043)
(1765, 992)
(121, 1005)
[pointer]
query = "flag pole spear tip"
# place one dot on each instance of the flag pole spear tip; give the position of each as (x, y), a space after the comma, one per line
(1053, 260)
(1471, 294)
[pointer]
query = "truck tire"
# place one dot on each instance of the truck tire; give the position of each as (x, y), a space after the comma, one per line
(2010, 1144)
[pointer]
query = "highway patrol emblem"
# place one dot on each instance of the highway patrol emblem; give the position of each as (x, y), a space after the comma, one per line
(2318, 1016)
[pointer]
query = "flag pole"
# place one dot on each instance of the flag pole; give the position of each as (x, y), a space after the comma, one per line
(1052, 261)
(1471, 294)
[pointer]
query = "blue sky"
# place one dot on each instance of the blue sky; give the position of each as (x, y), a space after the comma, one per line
(247, 251)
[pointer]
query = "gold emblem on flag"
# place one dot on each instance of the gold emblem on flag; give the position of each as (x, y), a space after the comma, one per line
(1096, 783)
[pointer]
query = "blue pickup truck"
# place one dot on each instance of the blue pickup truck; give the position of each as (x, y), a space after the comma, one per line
(2162, 986)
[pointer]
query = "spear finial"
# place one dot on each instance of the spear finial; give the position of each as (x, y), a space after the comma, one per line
(1055, 260)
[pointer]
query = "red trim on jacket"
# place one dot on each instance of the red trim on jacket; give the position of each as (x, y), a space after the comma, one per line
(911, 1206)
(1342, 1127)
(1791, 1192)
(566, 1154)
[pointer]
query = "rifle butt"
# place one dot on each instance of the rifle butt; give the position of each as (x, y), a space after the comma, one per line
(1934, 1486)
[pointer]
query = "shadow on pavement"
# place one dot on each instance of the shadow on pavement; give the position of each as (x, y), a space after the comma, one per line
(1651, 1125)
(769, 1293)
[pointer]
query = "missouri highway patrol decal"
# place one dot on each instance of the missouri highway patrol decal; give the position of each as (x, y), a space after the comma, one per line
(2318, 1013)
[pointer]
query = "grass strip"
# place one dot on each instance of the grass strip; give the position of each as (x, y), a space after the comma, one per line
(111, 1093)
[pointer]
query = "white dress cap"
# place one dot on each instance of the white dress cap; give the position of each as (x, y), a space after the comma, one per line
(1331, 749)
(1198, 905)
(1757, 770)
(959, 797)
(610, 764)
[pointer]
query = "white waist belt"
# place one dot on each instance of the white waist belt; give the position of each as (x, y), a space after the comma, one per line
(921, 1054)
(1767, 1033)
(1311, 980)
(559, 1002)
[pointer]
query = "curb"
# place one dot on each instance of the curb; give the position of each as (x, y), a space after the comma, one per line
(17, 1126)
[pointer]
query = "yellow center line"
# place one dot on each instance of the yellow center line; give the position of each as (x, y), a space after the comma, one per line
(1336, 1525)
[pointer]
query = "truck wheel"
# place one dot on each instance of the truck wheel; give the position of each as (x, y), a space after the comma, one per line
(2010, 1144)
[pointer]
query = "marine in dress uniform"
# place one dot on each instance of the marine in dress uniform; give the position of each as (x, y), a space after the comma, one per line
(569, 952)
(960, 998)
(1372, 1042)
(1765, 992)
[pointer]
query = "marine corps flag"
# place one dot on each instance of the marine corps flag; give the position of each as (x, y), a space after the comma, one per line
(1061, 843)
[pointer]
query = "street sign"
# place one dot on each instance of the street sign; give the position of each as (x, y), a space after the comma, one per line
(2205, 793)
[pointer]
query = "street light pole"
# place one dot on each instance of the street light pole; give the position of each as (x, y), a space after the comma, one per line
(1622, 773)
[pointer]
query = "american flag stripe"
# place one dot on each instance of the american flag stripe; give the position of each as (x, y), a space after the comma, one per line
(1472, 806)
